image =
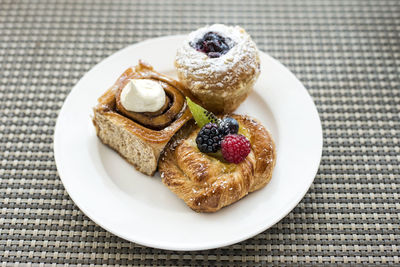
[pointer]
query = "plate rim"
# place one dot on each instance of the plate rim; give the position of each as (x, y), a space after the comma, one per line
(164, 245)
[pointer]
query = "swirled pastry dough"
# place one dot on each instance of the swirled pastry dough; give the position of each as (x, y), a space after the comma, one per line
(207, 184)
(140, 136)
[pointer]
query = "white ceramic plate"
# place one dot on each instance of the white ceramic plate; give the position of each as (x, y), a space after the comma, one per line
(140, 208)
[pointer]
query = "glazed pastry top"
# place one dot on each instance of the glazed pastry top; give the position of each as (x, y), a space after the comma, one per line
(156, 127)
(205, 182)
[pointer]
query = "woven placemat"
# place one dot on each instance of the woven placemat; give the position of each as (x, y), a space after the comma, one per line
(347, 54)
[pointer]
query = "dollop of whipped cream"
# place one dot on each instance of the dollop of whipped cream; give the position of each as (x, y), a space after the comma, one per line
(142, 95)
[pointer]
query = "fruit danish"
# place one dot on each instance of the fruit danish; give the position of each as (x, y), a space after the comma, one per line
(219, 65)
(207, 180)
(139, 114)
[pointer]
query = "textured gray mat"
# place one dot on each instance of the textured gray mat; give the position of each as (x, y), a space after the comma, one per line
(347, 53)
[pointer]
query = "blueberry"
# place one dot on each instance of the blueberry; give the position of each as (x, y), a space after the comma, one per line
(214, 54)
(211, 36)
(229, 126)
(213, 44)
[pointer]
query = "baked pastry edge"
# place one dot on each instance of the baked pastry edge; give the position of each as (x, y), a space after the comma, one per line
(139, 153)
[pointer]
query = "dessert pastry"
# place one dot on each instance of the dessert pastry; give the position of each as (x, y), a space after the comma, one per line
(192, 167)
(139, 114)
(219, 65)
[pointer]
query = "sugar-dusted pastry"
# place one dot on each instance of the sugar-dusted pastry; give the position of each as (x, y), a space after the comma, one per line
(219, 64)
(139, 114)
(218, 164)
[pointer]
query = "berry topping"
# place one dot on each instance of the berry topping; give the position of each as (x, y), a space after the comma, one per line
(235, 148)
(216, 134)
(213, 44)
(229, 126)
(209, 138)
(201, 115)
(213, 54)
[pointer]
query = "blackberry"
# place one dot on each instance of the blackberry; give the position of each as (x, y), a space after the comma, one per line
(209, 138)
(229, 126)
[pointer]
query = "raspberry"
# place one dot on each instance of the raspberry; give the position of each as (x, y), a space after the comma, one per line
(229, 126)
(209, 138)
(235, 148)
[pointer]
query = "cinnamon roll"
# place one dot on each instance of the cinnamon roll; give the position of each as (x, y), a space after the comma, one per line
(219, 65)
(140, 137)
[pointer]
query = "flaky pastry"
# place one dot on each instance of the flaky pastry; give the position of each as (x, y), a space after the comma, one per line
(221, 80)
(206, 183)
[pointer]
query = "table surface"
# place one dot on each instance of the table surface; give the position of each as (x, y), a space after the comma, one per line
(347, 54)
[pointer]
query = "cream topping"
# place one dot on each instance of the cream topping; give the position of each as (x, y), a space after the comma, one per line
(142, 95)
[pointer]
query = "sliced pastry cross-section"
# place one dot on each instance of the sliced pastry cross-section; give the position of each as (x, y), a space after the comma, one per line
(139, 114)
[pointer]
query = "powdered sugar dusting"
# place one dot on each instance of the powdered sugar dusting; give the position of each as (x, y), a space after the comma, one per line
(203, 73)
(231, 37)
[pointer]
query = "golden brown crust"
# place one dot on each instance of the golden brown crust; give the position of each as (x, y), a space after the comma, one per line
(228, 99)
(205, 183)
(107, 105)
(137, 143)
(221, 84)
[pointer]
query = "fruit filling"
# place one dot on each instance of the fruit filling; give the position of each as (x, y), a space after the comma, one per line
(213, 44)
(219, 136)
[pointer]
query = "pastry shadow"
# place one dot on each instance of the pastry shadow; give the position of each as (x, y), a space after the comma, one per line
(150, 191)
(138, 187)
